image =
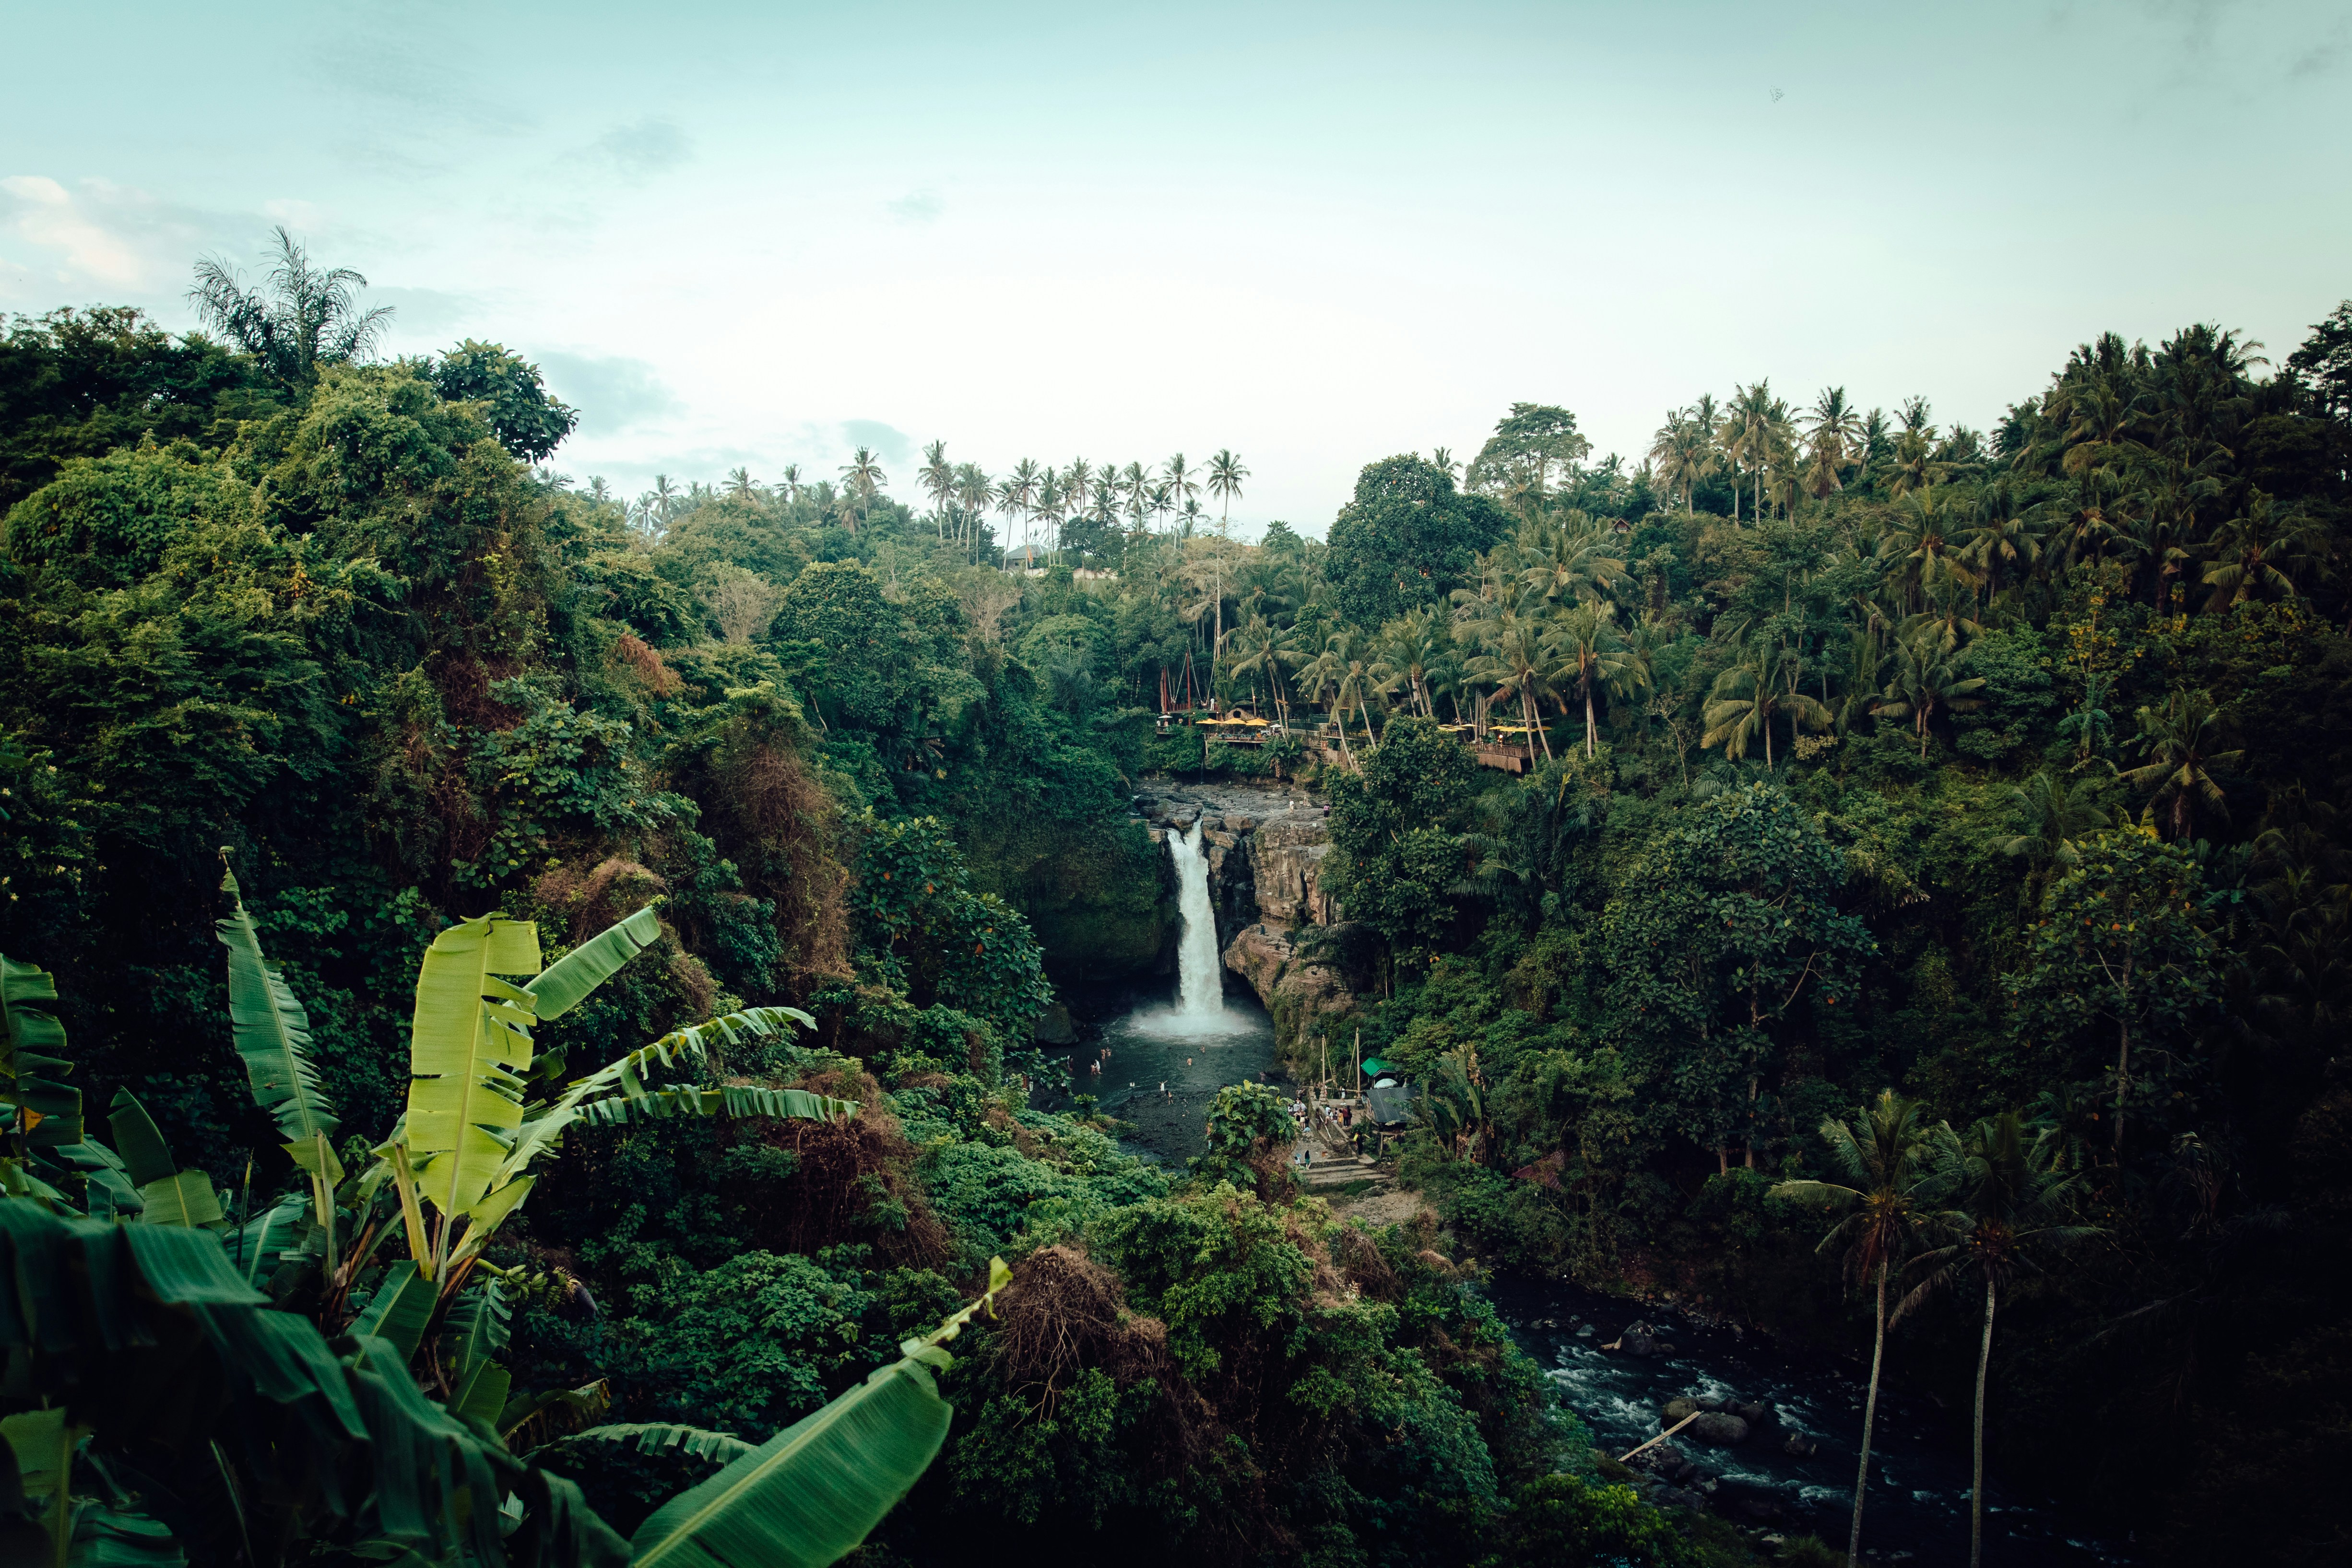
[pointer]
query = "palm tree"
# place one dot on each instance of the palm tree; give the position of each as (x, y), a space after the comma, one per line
(1885, 1195)
(2016, 1210)
(1584, 639)
(1926, 680)
(310, 318)
(2247, 550)
(1567, 562)
(1263, 649)
(861, 480)
(1684, 452)
(2177, 739)
(1512, 660)
(1160, 502)
(1136, 483)
(1177, 475)
(1410, 647)
(1748, 434)
(790, 484)
(1342, 674)
(1443, 459)
(1747, 697)
(2057, 816)
(938, 477)
(1833, 429)
(973, 491)
(1225, 476)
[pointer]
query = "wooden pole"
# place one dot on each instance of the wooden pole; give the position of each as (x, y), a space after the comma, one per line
(1663, 1436)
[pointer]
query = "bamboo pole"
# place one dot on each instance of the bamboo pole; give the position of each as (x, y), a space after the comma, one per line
(1663, 1436)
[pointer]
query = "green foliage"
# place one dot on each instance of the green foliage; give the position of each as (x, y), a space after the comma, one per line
(1407, 539)
(527, 422)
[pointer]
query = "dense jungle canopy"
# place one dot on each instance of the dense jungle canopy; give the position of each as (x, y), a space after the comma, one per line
(2005, 769)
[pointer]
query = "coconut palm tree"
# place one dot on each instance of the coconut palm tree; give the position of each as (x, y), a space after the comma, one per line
(1410, 648)
(2178, 738)
(2014, 1215)
(1590, 656)
(1885, 1198)
(938, 477)
(2056, 816)
(1265, 650)
(1569, 562)
(1749, 433)
(1747, 697)
(310, 317)
(861, 481)
(1178, 476)
(1512, 660)
(1834, 434)
(1341, 677)
(2248, 550)
(739, 487)
(1926, 681)
(1225, 476)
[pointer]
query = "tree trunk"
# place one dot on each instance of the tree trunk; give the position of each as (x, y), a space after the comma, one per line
(1723, 1159)
(2123, 1056)
(1587, 720)
(1975, 1485)
(1869, 1417)
(1768, 729)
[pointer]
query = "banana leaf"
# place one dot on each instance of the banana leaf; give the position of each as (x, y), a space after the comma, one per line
(469, 1032)
(168, 1196)
(661, 1438)
(815, 1490)
(42, 1111)
(571, 978)
(271, 1032)
(731, 1100)
(627, 1073)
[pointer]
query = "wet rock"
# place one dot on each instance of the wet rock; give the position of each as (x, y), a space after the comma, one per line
(1299, 987)
(1754, 1414)
(1722, 1430)
(1708, 1402)
(1799, 1447)
(1677, 1410)
(1053, 1026)
(1286, 854)
(1584, 1332)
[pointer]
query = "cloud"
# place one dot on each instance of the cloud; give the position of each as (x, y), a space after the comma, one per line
(612, 394)
(428, 313)
(917, 207)
(893, 445)
(104, 236)
(643, 148)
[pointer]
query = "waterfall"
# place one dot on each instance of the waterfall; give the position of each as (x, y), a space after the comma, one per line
(1199, 972)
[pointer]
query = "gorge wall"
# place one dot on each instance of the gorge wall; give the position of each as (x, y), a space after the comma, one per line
(1279, 933)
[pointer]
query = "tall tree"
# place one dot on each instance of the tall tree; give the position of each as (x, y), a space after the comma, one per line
(309, 316)
(1885, 1195)
(2015, 1216)
(1225, 475)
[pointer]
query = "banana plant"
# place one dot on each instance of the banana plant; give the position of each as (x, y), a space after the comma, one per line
(272, 1034)
(469, 1049)
(47, 1157)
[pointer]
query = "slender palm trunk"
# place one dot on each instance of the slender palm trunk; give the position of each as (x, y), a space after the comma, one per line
(1975, 1485)
(1589, 746)
(1869, 1418)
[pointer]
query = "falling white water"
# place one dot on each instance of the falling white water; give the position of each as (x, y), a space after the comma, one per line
(1201, 994)
(1200, 988)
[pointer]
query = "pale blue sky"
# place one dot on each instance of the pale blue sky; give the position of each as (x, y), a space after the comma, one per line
(1316, 233)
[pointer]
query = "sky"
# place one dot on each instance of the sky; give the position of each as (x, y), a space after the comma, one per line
(1317, 235)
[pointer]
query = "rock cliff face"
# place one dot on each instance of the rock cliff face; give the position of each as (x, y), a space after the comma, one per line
(1277, 929)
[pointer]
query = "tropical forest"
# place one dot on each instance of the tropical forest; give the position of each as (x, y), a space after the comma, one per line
(1779, 997)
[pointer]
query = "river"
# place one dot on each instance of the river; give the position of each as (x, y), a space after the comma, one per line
(1162, 1060)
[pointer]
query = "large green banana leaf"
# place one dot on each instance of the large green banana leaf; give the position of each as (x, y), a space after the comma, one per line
(627, 1073)
(271, 1031)
(731, 1100)
(660, 1437)
(371, 1457)
(571, 978)
(468, 1035)
(42, 1112)
(169, 1194)
(813, 1492)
